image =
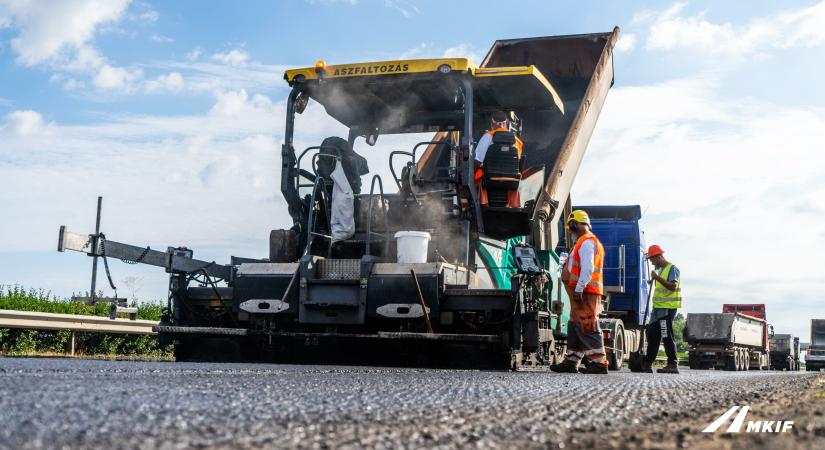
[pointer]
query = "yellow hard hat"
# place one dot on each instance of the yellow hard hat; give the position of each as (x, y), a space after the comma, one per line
(578, 215)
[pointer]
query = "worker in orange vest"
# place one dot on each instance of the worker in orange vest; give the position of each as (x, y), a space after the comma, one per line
(498, 123)
(582, 277)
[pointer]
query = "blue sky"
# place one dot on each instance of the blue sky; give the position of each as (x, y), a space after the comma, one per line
(173, 111)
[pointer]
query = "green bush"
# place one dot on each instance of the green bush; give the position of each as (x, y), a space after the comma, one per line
(18, 341)
(678, 333)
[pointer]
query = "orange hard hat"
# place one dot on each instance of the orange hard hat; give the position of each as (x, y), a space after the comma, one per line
(654, 250)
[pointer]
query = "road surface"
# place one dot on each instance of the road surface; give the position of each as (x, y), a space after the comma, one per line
(50, 403)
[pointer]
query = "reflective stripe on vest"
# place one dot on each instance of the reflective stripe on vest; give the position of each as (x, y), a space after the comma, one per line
(596, 284)
(663, 297)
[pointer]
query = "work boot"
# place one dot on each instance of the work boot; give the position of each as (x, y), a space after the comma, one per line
(563, 368)
(647, 367)
(594, 369)
(670, 368)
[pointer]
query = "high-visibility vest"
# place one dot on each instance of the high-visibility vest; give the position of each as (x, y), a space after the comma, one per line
(479, 170)
(663, 297)
(596, 284)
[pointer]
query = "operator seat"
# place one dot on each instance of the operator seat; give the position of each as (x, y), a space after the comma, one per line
(503, 215)
(354, 165)
(502, 170)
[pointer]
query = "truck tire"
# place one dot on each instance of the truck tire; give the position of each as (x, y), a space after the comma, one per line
(731, 361)
(694, 362)
(615, 358)
(746, 360)
(759, 365)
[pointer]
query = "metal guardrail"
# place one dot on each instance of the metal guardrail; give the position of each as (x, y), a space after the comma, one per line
(50, 321)
(73, 322)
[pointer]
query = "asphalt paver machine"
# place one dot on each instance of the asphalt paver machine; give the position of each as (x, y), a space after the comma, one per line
(487, 292)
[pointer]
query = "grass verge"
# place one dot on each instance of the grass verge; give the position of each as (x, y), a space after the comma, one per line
(23, 342)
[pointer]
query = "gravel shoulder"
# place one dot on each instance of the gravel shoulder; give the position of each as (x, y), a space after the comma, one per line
(49, 403)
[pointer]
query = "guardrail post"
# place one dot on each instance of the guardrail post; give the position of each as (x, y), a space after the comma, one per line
(71, 344)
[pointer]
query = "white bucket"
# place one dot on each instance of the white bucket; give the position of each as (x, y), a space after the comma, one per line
(412, 246)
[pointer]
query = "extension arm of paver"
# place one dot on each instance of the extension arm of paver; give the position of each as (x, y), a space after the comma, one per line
(174, 259)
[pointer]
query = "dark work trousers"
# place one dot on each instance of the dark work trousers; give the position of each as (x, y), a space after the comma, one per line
(658, 329)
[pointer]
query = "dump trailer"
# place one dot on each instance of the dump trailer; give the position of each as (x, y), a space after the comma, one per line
(784, 352)
(815, 356)
(339, 286)
(759, 358)
(728, 340)
(625, 275)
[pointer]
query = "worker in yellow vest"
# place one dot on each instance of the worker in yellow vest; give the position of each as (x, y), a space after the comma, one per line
(582, 277)
(667, 298)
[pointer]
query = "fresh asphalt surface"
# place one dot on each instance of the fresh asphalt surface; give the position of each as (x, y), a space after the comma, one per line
(53, 403)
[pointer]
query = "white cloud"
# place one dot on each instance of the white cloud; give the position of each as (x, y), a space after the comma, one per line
(406, 8)
(718, 178)
(86, 60)
(194, 54)
(205, 76)
(234, 57)
(171, 82)
(463, 51)
(72, 84)
(626, 43)
(235, 103)
(51, 31)
(221, 171)
(116, 78)
(25, 122)
(159, 38)
(237, 146)
(414, 52)
(147, 15)
(59, 35)
(672, 29)
(804, 27)
(44, 40)
(67, 83)
(429, 50)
